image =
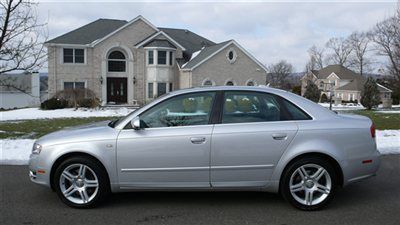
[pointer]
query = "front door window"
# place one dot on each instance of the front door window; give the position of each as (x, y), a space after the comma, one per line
(183, 110)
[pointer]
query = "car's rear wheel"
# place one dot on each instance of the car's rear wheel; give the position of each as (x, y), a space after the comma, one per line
(309, 183)
(81, 182)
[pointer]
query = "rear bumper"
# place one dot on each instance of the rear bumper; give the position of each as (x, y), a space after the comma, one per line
(362, 168)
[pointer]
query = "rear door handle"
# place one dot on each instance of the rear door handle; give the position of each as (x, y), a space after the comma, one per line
(279, 136)
(198, 140)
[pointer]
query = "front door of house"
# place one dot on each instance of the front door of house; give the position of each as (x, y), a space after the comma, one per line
(116, 90)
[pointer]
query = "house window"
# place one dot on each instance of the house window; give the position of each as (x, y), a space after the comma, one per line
(231, 55)
(207, 83)
(74, 55)
(150, 90)
(321, 85)
(229, 83)
(162, 58)
(250, 83)
(171, 57)
(116, 62)
(170, 87)
(161, 89)
(74, 85)
(150, 57)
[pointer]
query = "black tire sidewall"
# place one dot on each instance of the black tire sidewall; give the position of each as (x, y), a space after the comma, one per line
(285, 182)
(97, 169)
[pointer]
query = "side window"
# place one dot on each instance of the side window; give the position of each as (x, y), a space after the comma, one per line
(247, 107)
(183, 110)
(295, 112)
(241, 107)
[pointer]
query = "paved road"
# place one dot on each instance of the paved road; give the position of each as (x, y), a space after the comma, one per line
(374, 201)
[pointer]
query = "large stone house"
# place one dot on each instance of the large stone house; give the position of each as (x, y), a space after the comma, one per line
(343, 83)
(133, 62)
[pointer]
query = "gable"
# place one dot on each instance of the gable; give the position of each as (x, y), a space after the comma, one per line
(129, 35)
(209, 52)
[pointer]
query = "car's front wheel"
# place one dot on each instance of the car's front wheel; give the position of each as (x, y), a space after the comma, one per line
(309, 183)
(81, 182)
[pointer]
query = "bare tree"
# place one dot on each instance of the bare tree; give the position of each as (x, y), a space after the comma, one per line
(340, 51)
(316, 60)
(21, 36)
(278, 73)
(359, 43)
(386, 37)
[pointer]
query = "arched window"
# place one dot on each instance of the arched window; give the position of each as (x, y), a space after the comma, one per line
(207, 83)
(229, 83)
(250, 83)
(116, 62)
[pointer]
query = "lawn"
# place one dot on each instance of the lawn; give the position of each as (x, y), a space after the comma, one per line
(382, 121)
(33, 129)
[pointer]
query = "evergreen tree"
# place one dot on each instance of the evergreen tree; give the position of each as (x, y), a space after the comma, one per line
(370, 94)
(312, 92)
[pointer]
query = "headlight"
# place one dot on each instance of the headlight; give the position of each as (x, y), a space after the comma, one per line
(36, 149)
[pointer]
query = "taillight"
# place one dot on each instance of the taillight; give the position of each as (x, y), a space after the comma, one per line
(372, 129)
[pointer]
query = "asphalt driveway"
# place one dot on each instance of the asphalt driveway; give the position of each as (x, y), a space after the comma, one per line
(374, 201)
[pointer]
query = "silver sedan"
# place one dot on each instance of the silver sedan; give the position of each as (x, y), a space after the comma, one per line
(214, 138)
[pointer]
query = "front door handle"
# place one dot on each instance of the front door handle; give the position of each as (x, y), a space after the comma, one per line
(280, 136)
(198, 140)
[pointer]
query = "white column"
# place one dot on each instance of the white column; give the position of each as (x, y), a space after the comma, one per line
(104, 84)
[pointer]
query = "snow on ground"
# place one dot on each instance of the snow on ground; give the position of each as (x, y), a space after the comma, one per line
(350, 106)
(388, 141)
(353, 106)
(36, 113)
(17, 151)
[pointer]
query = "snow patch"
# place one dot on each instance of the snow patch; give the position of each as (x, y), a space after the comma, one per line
(36, 113)
(17, 151)
(388, 141)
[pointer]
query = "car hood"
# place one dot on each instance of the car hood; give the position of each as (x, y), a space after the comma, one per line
(88, 132)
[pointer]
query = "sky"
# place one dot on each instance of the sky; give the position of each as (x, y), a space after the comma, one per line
(270, 30)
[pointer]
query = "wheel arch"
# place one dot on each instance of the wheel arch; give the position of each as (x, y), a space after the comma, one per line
(337, 167)
(62, 158)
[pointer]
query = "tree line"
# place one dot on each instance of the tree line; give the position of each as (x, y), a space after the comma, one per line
(359, 51)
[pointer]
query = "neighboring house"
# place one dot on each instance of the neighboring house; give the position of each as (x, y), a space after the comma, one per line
(134, 62)
(345, 84)
(20, 90)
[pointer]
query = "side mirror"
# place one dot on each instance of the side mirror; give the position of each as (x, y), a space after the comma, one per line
(136, 123)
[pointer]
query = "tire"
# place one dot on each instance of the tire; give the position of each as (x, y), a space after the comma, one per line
(79, 175)
(309, 183)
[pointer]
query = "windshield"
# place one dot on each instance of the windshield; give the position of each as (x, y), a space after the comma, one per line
(116, 122)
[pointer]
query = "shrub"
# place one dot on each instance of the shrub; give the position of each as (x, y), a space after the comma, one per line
(297, 89)
(54, 103)
(370, 97)
(89, 103)
(79, 97)
(312, 92)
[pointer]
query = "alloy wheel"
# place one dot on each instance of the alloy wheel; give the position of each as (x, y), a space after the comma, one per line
(310, 184)
(79, 183)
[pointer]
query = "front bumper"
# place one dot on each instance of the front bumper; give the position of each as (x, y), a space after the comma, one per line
(38, 172)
